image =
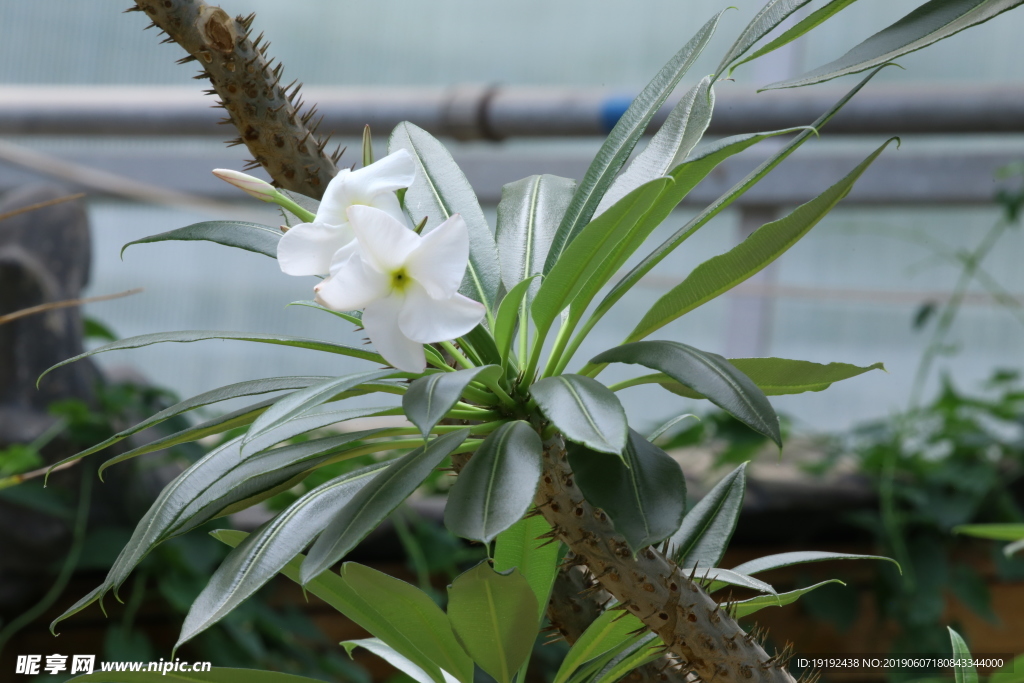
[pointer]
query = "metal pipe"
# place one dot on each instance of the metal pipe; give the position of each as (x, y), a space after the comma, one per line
(480, 112)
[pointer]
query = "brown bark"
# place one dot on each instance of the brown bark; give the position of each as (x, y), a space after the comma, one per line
(269, 117)
(701, 635)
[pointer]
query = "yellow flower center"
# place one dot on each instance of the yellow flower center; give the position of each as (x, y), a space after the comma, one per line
(400, 280)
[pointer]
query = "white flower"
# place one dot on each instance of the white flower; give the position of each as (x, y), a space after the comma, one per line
(309, 248)
(406, 284)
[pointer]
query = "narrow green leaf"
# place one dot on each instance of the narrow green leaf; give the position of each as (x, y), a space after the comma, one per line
(188, 336)
(495, 618)
(441, 190)
(584, 410)
(412, 613)
(250, 388)
(511, 314)
(647, 648)
(216, 675)
(763, 23)
(706, 529)
(610, 630)
(265, 552)
(496, 487)
(929, 23)
(962, 674)
(261, 239)
(392, 657)
(777, 561)
(299, 402)
(996, 532)
(430, 398)
(682, 130)
(377, 500)
(529, 212)
(707, 159)
(811, 21)
(621, 141)
(718, 578)
(720, 274)
(780, 376)
(706, 373)
(747, 607)
(669, 424)
(588, 254)
(482, 343)
(643, 490)
(316, 418)
(521, 547)
(336, 592)
(213, 426)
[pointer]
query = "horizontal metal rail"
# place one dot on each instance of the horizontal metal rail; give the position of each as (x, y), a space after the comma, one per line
(480, 112)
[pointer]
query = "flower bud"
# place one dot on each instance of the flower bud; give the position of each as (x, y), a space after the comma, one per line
(254, 187)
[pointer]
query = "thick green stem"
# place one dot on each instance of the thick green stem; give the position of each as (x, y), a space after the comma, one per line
(457, 355)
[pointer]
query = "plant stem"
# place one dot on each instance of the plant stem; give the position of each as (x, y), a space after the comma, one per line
(457, 355)
(555, 357)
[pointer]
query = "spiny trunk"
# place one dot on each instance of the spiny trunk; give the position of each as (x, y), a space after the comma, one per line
(269, 117)
(703, 638)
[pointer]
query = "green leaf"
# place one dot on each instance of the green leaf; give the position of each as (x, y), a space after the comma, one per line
(510, 313)
(706, 529)
(995, 532)
(682, 130)
(721, 273)
(811, 21)
(481, 343)
(217, 675)
(254, 237)
(215, 425)
(250, 388)
(763, 23)
(747, 607)
(336, 592)
(521, 547)
(584, 410)
(717, 578)
(430, 398)
(610, 630)
(706, 373)
(392, 657)
(265, 552)
(643, 491)
(585, 264)
(377, 500)
(496, 487)
(703, 161)
(299, 402)
(441, 190)
(620, 143)
(495, 618)
(188, 336)
(529, 212)
(647, 648)
(775, 376)
(413, 614)
(779, 560)
(316, 418)
(962, 674)
(669, 424)
(929, 23)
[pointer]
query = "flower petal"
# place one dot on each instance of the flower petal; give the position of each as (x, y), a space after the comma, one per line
(352, 286)
(335, 200)
(394, 172)
(342, 256)
(426, 320)
(439, 264)
(307, 248)
(385, 243)
(380, 320)
(388, 203)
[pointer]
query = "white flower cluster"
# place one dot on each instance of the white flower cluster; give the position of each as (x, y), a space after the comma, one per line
(406, 284)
